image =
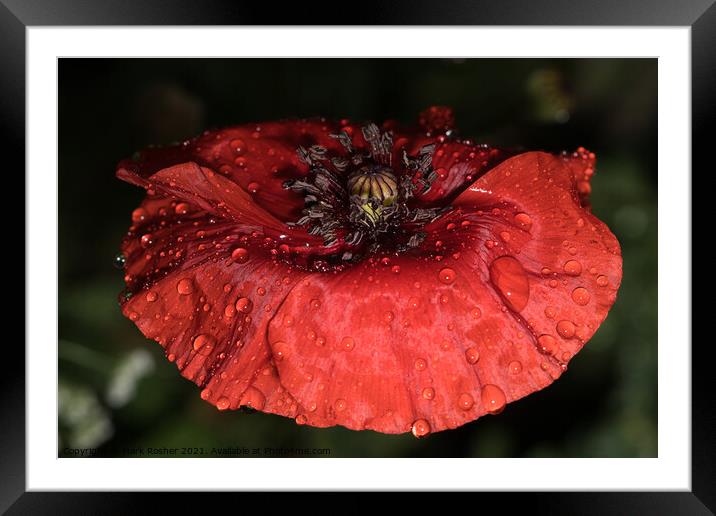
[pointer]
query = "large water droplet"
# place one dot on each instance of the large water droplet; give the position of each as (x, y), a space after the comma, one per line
(547, 344)
(185, 286)
(581, 296)
(253, 398)
(465, 401)
(420, 428)
(524, 221)
(573, 268)
(204, 344)
(146, 240)
(120, 261)
(493, 398)
(515, 367)
(472, 355)
(510, 279)
(244, 304)
(447, 276)
(566, 329)
(279, 350)
(223, 403)
(238, 146)
(240, 255)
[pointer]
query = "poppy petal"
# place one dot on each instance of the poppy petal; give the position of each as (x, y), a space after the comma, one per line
(206, 293)
(526, 217)
(259, 158)
(218, 196)
(581, 162)
(377, 349)
(458, 165)
(429, 344)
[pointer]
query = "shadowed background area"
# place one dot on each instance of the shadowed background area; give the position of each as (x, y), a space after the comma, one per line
(118, 393)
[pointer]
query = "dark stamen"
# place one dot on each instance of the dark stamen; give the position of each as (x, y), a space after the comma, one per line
(361, 199)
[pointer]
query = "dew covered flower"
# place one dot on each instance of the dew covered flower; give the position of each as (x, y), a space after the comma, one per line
(397, 279)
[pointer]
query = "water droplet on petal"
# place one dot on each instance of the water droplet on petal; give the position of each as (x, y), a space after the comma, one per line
(279, 350)
(204, 344)
(120, 261)
(139, 215)
(151, 296)
(240, 255)
(244, 304)
(524, 221)
(510, 279)
(185, 286)
(581, 296)
(340, 405)
(223, 403)
(465, 401)
(547, 344)
(420, 364)
(420, 428)
(602, 281)
(573, 268)
(253, 398)
(515, 367)
(428, 393)
(472, 355)
(238, 146)
(566, 329)
(493, 398)
(146, 240)
(447, 276)
(181, 209)
(347, 343)
(253, 187)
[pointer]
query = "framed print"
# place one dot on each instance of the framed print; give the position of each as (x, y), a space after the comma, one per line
(440, 250)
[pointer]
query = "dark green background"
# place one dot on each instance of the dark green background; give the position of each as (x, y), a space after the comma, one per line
(118, 391)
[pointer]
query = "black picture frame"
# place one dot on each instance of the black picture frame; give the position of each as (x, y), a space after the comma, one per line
(17, 15)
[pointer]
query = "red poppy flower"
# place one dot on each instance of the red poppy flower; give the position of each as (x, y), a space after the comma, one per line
(391, 279)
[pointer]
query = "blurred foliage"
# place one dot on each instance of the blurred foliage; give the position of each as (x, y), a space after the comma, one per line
(117, 391)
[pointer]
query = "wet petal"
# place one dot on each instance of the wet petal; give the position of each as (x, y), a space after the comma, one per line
(582, 164)
(457, 166)
(508, 289)
(556, 266)
(218, 196)
(257, 157)
(206, 292)
(386, 345)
